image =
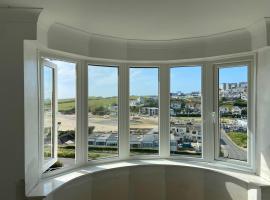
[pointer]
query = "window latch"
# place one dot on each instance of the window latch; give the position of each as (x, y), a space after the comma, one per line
(214, 117)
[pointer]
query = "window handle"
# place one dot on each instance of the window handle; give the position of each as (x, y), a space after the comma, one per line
(214, 117)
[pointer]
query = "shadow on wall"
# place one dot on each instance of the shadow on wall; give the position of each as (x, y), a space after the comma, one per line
(153, 182)
(222, 187)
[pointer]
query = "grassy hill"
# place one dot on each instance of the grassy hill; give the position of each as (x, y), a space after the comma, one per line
(67, 106)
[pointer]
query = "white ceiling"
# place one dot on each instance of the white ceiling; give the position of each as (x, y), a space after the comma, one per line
(150, 19)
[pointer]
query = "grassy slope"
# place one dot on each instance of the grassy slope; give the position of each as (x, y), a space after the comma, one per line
(68, 104)
(240, 139)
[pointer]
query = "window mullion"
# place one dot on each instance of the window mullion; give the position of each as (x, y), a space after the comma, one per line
(55, 109)
(252, 115)
(164, 114)
(123, 115)
(208, 109)
(82, 114)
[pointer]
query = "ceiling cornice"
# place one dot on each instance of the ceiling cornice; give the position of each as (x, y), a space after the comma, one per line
(19, 14)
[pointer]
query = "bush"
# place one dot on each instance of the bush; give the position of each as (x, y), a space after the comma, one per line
(147, 151)
(100, 110)
(240, 103)
(66, 153)
(240, 139)
(68, 112)
(105, 148)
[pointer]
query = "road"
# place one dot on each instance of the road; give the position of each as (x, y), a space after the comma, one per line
(230, 149)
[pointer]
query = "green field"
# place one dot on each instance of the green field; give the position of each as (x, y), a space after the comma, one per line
(101, 101)
(240, 139)
(67, 106)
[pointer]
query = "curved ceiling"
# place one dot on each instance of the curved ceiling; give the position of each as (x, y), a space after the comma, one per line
(150, 19)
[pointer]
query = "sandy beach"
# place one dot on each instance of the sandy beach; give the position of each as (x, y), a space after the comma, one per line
(105, 123)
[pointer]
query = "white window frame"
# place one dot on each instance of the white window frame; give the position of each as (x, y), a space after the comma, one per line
(100, 64)
(80, 153)
(250, 164)
(161, 125)
(203, 115)
(48, 163)
(208, 66)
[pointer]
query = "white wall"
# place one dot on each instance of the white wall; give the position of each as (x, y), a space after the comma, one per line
(64, 38)
(154, 182)
(31, 108)
(263, 113)
(15, 26)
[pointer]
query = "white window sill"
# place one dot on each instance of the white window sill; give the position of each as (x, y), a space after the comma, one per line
(50, 184)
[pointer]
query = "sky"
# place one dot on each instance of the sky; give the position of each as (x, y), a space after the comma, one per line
(66, 80)
(185, 79)
(143, 81)
(233, 75)
(48, 77)
(103, 81)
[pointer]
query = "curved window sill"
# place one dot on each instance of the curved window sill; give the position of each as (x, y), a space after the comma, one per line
(50, 184)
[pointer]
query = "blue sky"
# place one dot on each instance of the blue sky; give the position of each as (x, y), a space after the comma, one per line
(185, 79)
(143, 81)
(48, 77)
(233, 75)
(102, 81)
(66, 73)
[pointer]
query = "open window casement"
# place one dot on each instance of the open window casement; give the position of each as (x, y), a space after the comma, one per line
(48, 108)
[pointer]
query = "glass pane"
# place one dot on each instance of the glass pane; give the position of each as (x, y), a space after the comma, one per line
(144, 111)
(232, 106)
(185, 111)
(102, 112)
(48, 112)
(66, 115)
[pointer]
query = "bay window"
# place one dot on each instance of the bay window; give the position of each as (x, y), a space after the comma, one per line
(202, 111)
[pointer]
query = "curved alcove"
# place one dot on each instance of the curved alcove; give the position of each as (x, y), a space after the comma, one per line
(151, 179)
(140, 181)
(127, 179)
(130, 180)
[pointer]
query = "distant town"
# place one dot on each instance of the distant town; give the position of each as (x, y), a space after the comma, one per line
(185, 123)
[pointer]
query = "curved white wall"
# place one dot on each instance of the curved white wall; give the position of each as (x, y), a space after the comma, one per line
(68, 39)
(154, 182)
(253, 38)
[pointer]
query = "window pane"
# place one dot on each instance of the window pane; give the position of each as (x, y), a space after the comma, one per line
(232, 107)
(144, 111)
(66, 116)
(66, 111)
(48, 112)
(185, 111)
(102, 112)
